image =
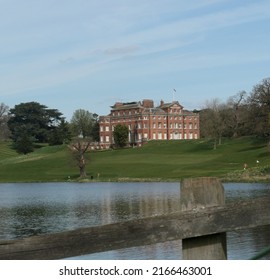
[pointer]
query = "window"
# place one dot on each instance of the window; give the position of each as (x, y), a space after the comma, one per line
(107, 128)
(107, 139)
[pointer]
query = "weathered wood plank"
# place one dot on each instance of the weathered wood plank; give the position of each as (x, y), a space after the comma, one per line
(180, 225)
(200, 193)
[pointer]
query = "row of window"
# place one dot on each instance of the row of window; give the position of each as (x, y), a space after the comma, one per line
(156, 125)
(175, 125)
(123, 113)
(176, 118)
(135, 112)
(157, 136)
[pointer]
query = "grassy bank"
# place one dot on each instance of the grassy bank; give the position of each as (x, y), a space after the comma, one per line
(156, 161)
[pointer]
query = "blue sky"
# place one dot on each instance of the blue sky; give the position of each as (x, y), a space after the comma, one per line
(88, 54)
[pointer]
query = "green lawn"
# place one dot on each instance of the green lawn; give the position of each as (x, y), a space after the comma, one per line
(157, 160)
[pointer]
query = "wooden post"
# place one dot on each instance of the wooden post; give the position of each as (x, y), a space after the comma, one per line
(197, 194)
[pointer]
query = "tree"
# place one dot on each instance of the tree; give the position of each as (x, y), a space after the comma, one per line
(82, 125)
(4, 130)
(95, 128)
(24, 143)
(79, 148)
(259, 107)
(61, 134)
(38, 122)
(212, 121)
(120, 135)
(237, 113)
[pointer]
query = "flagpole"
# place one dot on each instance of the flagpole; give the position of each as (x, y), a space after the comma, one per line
(174, 90)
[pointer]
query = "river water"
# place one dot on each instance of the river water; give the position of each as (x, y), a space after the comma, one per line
(38, 208)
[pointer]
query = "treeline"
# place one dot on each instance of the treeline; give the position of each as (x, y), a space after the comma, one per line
(244, 114)
(29, 124)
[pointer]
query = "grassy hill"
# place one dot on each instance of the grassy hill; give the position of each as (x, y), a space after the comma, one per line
(157, 161)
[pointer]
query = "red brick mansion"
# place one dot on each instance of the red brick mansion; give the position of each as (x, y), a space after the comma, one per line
(168, 121)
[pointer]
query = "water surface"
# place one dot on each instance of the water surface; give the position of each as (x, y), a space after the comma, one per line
(39, 208)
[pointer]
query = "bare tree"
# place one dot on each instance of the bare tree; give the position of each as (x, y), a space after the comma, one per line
(235, 103)
(212, 122)
(81, 126)
(4, 130)
(259, 108)
(3, 109)
(79, 148)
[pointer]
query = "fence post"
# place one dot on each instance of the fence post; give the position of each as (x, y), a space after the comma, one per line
(198, 193)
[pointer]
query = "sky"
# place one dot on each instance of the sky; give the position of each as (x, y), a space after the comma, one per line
(89, 54)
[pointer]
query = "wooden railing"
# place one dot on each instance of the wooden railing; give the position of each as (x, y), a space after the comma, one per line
(202, 225)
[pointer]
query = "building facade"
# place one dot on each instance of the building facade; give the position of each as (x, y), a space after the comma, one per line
(168, 121)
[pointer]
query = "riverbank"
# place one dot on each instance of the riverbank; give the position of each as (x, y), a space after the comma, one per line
(233, 177)
(252, 175)
(160, 161)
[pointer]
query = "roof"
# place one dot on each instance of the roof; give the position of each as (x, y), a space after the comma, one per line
(128, 105)
(168, 105)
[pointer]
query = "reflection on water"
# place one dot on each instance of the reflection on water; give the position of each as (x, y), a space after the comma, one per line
(29, 209)
(32, 209)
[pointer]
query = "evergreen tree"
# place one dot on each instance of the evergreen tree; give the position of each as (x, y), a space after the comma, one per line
(32, 122)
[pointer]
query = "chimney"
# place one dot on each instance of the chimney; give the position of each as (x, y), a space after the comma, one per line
(148, 103)
(118, 104)
(161, 103)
